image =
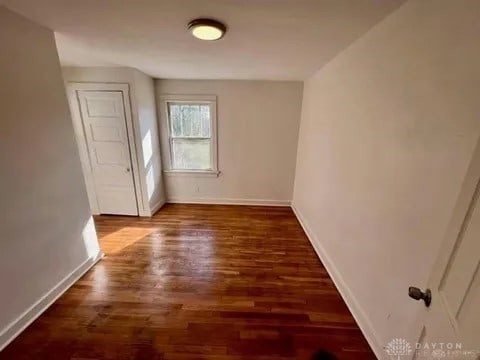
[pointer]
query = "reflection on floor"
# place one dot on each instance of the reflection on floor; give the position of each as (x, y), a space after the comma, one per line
(198, 282)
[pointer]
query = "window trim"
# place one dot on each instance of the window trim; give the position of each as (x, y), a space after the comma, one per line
(166, 126)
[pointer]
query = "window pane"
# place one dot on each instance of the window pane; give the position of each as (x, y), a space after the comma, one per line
(205, 120)
(191, 154)
(190, 120)
(175, 119)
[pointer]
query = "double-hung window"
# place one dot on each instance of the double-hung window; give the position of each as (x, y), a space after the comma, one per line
(191, 123)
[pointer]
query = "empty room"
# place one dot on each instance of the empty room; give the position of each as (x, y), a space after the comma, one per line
(240, 179)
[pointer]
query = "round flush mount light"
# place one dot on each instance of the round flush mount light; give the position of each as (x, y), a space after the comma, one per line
(207, 29)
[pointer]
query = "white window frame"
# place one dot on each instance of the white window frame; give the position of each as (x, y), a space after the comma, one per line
(211, 100)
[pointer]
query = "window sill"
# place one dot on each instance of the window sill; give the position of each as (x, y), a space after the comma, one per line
(192, 173)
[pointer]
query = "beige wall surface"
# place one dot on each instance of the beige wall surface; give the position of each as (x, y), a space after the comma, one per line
(147, 117)
(46, 228)
(387, 132)
(257, 140)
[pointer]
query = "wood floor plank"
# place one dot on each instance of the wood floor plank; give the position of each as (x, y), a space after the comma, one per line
(198, 282)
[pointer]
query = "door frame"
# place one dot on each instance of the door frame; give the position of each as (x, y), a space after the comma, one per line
(79, 130)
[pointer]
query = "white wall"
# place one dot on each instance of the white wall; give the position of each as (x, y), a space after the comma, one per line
(257, 140)
(47, 234)
(387, 131)
(148, 126)
(145, 125)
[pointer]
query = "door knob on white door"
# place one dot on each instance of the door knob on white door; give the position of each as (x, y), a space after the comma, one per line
(417, 294)
(128, 169)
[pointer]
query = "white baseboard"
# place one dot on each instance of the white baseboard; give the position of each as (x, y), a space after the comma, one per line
(347, 295)
(144, 213)
(224, 201)
(157, 206)
(18, 325)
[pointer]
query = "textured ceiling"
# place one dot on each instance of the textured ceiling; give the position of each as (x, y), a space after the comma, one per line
(267, 39)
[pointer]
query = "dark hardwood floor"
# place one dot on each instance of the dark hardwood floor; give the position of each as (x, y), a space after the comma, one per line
(198, 282)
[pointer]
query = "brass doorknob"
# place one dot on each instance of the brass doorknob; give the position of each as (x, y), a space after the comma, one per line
(417, 294)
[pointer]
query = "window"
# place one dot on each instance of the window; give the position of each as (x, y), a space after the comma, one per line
(191, 123)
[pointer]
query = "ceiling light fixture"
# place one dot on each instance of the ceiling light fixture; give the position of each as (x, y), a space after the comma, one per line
(207, 29)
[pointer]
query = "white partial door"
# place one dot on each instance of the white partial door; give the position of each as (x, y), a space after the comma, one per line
(103, 117)
(450, 326)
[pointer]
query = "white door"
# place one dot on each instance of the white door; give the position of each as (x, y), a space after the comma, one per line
(450, 326)
(103, 117)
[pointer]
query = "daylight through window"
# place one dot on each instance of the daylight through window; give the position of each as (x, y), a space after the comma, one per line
(190, 133)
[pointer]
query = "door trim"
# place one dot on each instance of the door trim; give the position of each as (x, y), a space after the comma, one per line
(72, 93)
